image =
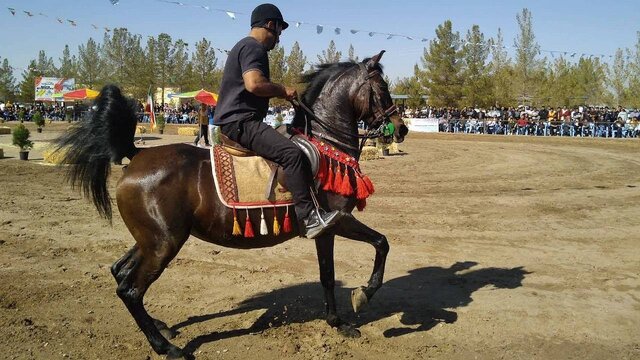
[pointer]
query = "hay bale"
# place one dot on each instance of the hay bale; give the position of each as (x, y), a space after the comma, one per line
(5, 130)
(369, 153)
(141, 130)
(188, 131)
(54, 157)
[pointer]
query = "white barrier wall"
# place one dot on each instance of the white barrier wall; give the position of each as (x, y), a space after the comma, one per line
(422, 125)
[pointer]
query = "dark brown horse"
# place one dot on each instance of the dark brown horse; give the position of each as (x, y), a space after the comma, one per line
(167, 192)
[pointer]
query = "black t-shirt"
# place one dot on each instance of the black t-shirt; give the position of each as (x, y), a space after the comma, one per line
(234, 101)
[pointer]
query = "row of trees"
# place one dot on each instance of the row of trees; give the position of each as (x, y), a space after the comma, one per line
(475, 71)
(162, 62)
(454, 71)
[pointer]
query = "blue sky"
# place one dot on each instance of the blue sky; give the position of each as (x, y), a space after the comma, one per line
(573, 26)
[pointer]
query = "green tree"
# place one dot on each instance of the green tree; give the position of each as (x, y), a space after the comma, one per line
(589, 82)
(295, 63)
(476, 89)
(68, 68)
(45, 65)
(204, 65)
(7, 82)
(352, 54)
(559, 84)
(411, 87)
(164, 58)
(634, 76)
(119, 51)
(90, 64)
(331, 55)
(527, 67)
(501, 73)
(180, 66)
(618, 77)
(277, 69)
(440, 74)
(136, 84)
(28, 83)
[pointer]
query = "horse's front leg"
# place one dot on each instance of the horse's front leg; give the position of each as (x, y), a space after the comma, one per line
(324, 248)
(351, 228)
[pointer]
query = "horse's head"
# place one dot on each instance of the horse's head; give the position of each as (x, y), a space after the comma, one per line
(375, 104)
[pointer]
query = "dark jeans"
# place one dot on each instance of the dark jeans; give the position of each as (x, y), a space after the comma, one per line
(262, 139)
(204, 133)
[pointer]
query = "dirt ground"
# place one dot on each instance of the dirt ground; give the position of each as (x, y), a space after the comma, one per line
(501, 247)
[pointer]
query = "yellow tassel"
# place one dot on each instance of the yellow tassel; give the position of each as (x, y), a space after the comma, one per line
(276, 224)
(236, 225)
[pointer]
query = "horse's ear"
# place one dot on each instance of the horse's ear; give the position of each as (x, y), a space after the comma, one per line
(375, 60)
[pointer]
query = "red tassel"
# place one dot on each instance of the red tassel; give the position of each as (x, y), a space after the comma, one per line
(369, 184)
(361, 204)
(328, 184)
(286, 227)
(346, 189)
(337, 181)
(361, 188)
(322, 170)
(248, 229)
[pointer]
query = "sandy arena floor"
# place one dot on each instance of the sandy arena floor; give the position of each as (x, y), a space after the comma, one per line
(501, 247)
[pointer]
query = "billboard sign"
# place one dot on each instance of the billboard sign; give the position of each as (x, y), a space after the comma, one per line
(47, 86)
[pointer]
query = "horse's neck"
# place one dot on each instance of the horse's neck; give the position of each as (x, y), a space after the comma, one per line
(334, 107)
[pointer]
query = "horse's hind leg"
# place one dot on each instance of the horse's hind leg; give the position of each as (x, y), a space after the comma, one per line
(324, 249)
(121, 268)
(351, 228)
(144, 266)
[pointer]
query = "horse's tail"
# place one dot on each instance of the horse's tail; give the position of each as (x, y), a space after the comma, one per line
(90, 145)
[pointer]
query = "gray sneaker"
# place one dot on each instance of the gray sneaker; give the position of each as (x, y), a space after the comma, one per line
(319, 221)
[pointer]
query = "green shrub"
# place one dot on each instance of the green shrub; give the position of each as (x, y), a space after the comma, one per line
(38, 119)
(160, 122)
(21, 138)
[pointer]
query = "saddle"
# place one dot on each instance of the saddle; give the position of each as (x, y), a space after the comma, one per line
(245, 180)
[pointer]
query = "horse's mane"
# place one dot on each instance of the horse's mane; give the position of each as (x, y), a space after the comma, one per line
(316, 80)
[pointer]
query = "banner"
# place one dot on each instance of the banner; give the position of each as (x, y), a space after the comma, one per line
(47, 86)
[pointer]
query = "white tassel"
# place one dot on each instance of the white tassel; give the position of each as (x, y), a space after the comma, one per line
(263, 224)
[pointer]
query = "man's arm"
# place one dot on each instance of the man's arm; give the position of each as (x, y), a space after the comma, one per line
(257, 84)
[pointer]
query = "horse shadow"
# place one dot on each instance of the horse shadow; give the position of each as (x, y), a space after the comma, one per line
(423, 298)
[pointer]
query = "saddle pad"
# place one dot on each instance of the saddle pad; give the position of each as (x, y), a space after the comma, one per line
(241, 182)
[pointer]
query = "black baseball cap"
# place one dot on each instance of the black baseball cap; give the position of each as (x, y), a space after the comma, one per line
(267, 12)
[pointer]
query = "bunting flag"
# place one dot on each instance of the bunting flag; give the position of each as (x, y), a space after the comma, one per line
(337, 30)
(152, 114)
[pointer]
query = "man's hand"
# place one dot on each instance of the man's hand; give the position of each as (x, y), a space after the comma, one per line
(290, 93)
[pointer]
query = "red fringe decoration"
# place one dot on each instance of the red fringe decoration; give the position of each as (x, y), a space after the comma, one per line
(361, 204)
(248, 229)
(369, 184)
(361, 188)
(346, 189)
(329, 181)
(337, 182)
(322, 172)
(286, 227)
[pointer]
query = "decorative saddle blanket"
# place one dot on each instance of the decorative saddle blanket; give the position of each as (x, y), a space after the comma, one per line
(250, 182)
(246, 182)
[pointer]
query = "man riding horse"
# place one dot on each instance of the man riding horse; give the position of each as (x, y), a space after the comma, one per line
(243, 102)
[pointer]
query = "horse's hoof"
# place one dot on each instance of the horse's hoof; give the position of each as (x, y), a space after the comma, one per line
(175, 353)
(358, 299)
(349, 331)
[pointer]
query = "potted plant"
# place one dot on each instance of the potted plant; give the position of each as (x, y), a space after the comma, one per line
(160, 123)
(38, 119)
(21, 140)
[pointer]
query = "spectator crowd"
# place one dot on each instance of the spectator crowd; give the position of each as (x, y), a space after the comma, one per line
(562, 121)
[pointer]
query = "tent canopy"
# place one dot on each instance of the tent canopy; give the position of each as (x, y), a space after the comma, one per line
(202, 95)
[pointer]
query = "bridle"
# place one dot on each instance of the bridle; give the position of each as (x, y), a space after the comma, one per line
(375, 127)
